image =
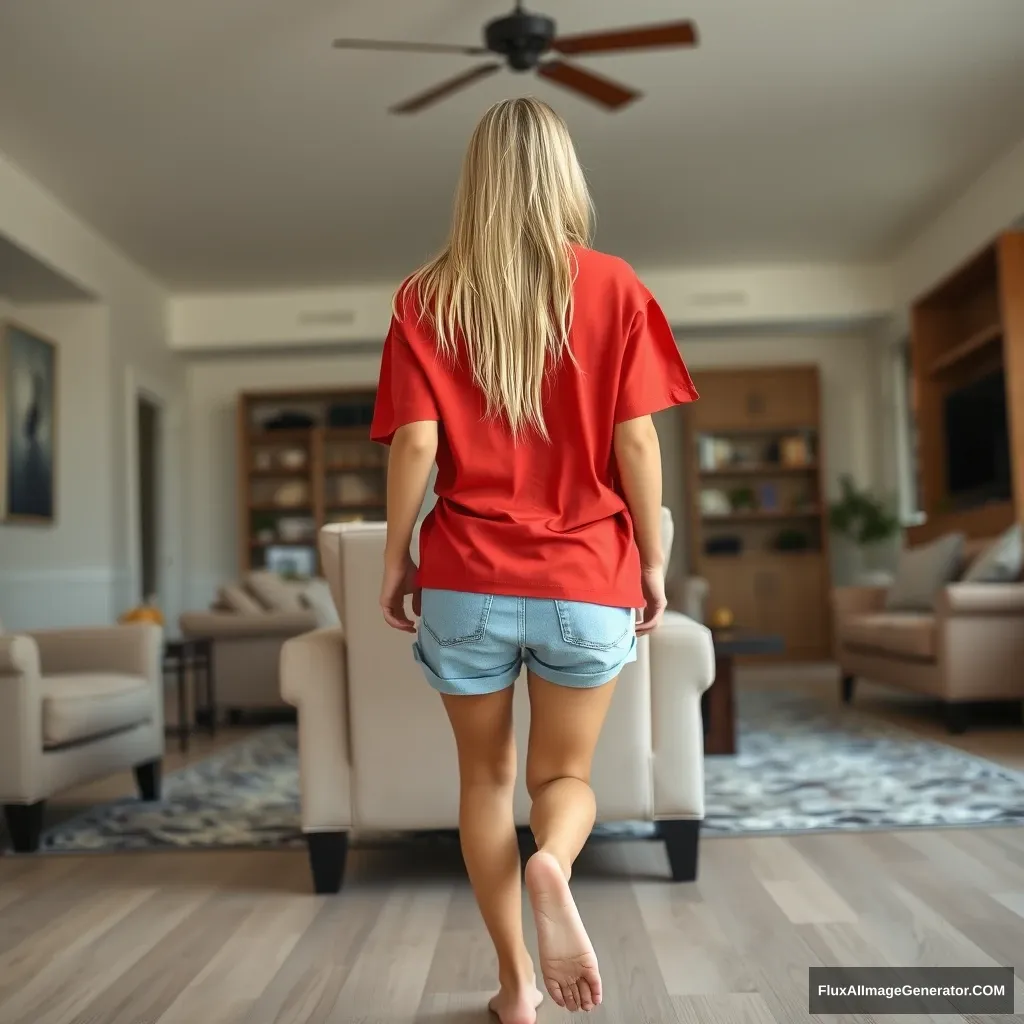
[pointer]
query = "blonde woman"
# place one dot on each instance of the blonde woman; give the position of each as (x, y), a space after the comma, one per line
(527, 366)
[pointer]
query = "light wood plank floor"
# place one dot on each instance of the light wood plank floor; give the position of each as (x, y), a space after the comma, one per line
(236, 938)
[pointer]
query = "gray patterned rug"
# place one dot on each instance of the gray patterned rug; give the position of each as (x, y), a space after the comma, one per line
(803, 766)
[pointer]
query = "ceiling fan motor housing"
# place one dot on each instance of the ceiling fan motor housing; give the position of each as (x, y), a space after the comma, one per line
(521, 38)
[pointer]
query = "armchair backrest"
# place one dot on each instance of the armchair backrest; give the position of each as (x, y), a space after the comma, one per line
(404, 770)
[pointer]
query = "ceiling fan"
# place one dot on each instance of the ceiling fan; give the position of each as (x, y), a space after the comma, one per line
(522, 39)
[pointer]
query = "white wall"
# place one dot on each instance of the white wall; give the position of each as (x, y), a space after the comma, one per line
(849, 364)
(135, 344)
(65, 574)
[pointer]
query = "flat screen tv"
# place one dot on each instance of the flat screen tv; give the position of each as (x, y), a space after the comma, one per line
(977, 444)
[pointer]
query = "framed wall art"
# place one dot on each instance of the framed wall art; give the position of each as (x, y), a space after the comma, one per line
(28, 425)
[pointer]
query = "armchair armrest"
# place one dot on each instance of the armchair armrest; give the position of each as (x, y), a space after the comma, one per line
(858, 600)
(21, 727)
(991, 599)
(682, 668)
(133, 650)
(235, 626)
(314, 680)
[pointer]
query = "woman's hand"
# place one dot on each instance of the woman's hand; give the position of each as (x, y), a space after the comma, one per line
(652, 581)
(399, 580)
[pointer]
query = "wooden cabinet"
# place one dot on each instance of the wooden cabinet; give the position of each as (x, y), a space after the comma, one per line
(758, 524)
(736, 400)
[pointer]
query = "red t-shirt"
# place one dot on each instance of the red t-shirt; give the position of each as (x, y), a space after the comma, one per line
(538, 518)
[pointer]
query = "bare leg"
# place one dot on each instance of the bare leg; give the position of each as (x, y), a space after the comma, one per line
(490, 848)
(565, 724)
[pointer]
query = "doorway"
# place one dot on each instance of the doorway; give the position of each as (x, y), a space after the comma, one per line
(148, 431)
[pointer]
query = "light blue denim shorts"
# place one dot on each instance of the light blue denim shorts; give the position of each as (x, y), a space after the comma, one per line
(477, 643)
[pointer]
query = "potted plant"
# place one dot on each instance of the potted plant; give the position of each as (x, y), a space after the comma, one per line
(866, 521)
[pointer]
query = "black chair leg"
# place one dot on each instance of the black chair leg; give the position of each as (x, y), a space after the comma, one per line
(681, 841)
(147, 778)
(956, 718)
(846, 688)
(328, 852)
(25, 825)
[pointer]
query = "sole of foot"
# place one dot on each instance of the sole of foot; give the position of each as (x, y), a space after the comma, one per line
(568, 963)
(519, 1007)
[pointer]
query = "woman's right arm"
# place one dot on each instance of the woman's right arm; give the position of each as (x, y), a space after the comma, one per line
(638, 455)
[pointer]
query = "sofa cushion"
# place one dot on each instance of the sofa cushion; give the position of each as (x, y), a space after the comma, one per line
(1001, 561)
(274, 593)
(904, 634)
(233, 598)
(80, 706)
(316, 596)
(923, 571)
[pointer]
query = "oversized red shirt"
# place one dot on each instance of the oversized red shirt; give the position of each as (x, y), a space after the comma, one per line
(538, 518)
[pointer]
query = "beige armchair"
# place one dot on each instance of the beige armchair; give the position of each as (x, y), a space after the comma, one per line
(76, 705)
(376, 752)
(969, 649)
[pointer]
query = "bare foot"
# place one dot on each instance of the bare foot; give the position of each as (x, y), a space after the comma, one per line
(516, 1005)
(568, 963)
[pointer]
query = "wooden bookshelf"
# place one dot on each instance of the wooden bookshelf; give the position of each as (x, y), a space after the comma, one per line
(968, 327)
(755, 465)
(305, 459)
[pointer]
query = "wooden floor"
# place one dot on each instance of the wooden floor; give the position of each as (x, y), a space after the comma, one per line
(236, 938)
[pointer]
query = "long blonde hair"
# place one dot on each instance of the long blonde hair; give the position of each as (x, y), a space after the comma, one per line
(504, 280)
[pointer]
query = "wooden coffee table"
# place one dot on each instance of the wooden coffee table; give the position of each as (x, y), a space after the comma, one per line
(716, 704)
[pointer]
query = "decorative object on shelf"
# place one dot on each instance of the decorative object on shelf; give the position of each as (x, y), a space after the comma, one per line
(795, 450)
(723, 545)
(291, 562)
(768, 497)
(346, 517)
(296, 529)
(358, 488)
(263, 461)
(28, 425)
(714, 503)
(722, 618)
(792, 540)
(714, 452)
(293, 494)
(865, 521)
(743, 499)
(292, 458)
(289, 420)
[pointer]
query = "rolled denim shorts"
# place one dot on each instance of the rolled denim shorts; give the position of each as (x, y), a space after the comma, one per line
(477, 643)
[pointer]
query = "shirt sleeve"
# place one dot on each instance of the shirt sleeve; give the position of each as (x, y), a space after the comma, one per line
(653, 375)
(404, 394)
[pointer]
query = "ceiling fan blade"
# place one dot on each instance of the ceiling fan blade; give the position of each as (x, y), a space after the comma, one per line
(397, 47)
(607, 93)
(439, 92)
(678, 33)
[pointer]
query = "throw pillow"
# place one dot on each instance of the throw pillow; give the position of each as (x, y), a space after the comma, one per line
(316, 596)
(274, 593)
(234, 598)
(922, 572)
(1001, 561)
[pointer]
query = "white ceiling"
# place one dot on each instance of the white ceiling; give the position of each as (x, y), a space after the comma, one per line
(223, 143)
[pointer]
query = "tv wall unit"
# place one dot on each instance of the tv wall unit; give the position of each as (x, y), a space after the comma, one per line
(964, 332)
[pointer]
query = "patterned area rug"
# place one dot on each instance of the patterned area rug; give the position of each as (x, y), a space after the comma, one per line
(803, 766)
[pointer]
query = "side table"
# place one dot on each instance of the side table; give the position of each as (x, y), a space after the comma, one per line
(716, 704)
(190, 659)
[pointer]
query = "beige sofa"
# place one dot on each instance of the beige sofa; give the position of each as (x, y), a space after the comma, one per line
(76, 705)
(248, 623)
(376, 751)
(970, 649)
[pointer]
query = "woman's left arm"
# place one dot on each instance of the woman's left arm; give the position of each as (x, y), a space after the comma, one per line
(413, 451)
